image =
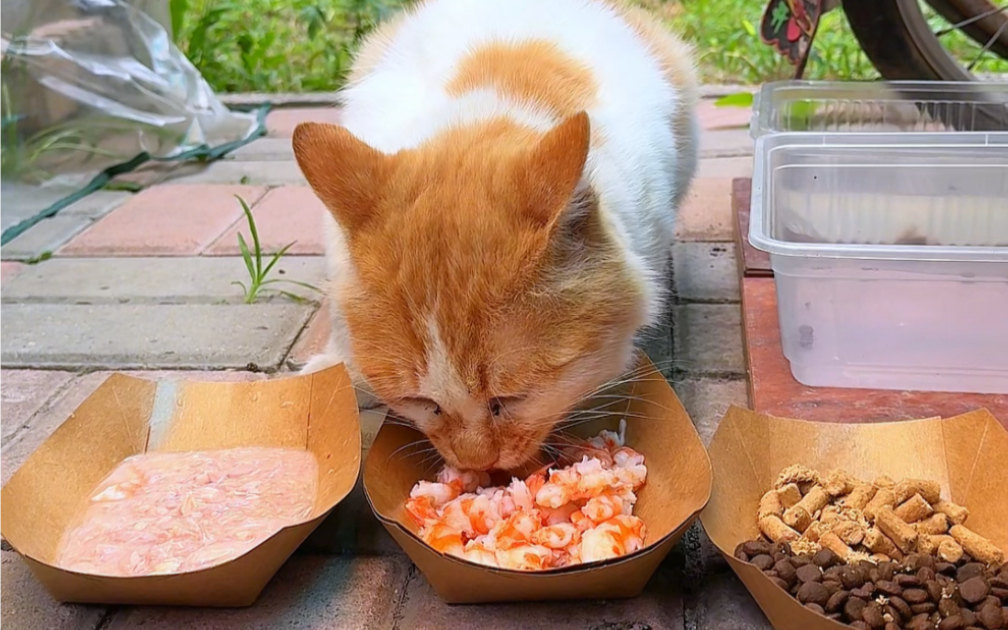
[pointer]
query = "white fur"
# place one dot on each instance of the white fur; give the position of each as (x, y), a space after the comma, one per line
(640, 170)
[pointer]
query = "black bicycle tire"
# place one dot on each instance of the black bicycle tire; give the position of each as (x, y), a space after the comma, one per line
(979, 32)
(902, 47)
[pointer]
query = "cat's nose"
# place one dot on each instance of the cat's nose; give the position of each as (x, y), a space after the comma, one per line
(474, 452)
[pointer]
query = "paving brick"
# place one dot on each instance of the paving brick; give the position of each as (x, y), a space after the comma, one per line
(705, 272)
(281, 122)
(45, 236)
(166, 220)
(725, 143)
(707, 400)
(97, 204)
(312, 341)
(24, 392)
(706, 214)
(141, 336)
(284, 215)
(265, 173)
(28, 606)
(708, 339)
(658, 608)
(152, 280)
(9, 269)
(725, 603)
(52, 414)
(309, 593)
(726, 167)
(264, 150)
(714, 117)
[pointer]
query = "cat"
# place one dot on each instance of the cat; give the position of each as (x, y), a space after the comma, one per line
(502, 189)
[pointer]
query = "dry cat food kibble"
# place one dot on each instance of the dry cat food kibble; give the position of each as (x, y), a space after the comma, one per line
(883, 555)
(554, 518)
(159, 513)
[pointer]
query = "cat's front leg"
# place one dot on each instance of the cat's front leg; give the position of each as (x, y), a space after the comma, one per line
(366, 398)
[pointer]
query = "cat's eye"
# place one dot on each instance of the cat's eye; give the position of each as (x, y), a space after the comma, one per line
(499, 405)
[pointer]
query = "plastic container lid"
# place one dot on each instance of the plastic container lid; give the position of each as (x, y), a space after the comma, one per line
(879, 107)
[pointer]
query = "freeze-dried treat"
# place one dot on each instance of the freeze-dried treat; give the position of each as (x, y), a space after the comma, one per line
(914, 509)
(838, 483)
(789, 495)
(977, 546)
(884, 481)
(949, 551)
(848, 531)
(773, 528)
(796, 474)
(956, 514)
(929, 490)
(877, 542)
(929, 545)
(860, 496)
(933, 525)
(800, 515)
(770, 505)
(896, 529)
(884, 498)
(831, 541)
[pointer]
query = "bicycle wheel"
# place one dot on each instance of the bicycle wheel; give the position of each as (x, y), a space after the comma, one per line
(904, 45)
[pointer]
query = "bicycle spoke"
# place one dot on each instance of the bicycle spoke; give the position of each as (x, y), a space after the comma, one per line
(975, 18)
(986, 47)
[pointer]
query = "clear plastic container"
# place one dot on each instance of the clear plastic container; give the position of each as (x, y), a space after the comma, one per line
(890, 253)
(879, 106)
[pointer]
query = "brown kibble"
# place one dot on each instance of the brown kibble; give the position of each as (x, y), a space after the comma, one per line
(914, 509)
(884, 498)
(796, 474)
(780, 583)
(789, 495)
(872, 615)
(924, 607)
(888, 587)
(934, 590)
(785, 571)
(920, 622)
(974, 590)
(934, 525)
(813, 592)
(955, 622)
(860, 496)
(853, 608)
(838, 483)
(837, 600)
(969, 570)
(930, 491)
(957, 514)
(892, 625)
(809, 573)
(968, 616)
(825, 559)
(864, 592)
(893, 526)
(852, 578)
(859, 625)
(950, 551)
(977, 546)
(901, 606)
(816, 608)
(769, 505)
(948, 607)
(990, 617)
(740, 553)
(907, 581)
(756, 547)
(763, 562)
(915, 595)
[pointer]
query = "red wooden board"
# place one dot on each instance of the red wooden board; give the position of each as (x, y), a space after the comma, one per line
(773, 390)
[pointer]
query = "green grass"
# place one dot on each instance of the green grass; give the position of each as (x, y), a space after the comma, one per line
(307, 45)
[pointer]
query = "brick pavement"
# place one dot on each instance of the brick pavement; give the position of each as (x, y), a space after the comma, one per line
(145, 282)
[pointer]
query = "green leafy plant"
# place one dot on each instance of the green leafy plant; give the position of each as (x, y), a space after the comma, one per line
(258, 274)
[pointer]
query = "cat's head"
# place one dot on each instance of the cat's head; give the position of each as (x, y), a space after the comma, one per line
(487, 294)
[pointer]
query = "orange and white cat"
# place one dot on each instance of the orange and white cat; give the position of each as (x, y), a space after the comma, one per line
(503, 189)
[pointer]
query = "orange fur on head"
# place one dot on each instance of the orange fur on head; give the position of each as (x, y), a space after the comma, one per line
(487, 295)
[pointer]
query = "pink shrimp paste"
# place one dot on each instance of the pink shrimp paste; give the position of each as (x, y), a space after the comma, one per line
(160, 513)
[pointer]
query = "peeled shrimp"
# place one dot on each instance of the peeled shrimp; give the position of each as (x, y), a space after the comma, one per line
(552, 518)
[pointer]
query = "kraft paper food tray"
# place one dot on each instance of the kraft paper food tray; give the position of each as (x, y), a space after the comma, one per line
(126, 416)
(966, 454)
(677, 488)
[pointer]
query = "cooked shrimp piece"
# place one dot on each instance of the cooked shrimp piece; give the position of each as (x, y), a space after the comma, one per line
(616, 537)
(525, 558)
(463, 481)
(558, 536)
(445, 539)
(439, 493)
(603, 507)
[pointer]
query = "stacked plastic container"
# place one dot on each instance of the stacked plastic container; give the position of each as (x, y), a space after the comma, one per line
(884, 208)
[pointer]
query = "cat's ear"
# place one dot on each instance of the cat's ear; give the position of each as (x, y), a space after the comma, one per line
(346, 173)
(550, 173)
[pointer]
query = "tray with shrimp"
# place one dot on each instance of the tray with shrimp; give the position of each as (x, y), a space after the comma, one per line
(593, 517)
